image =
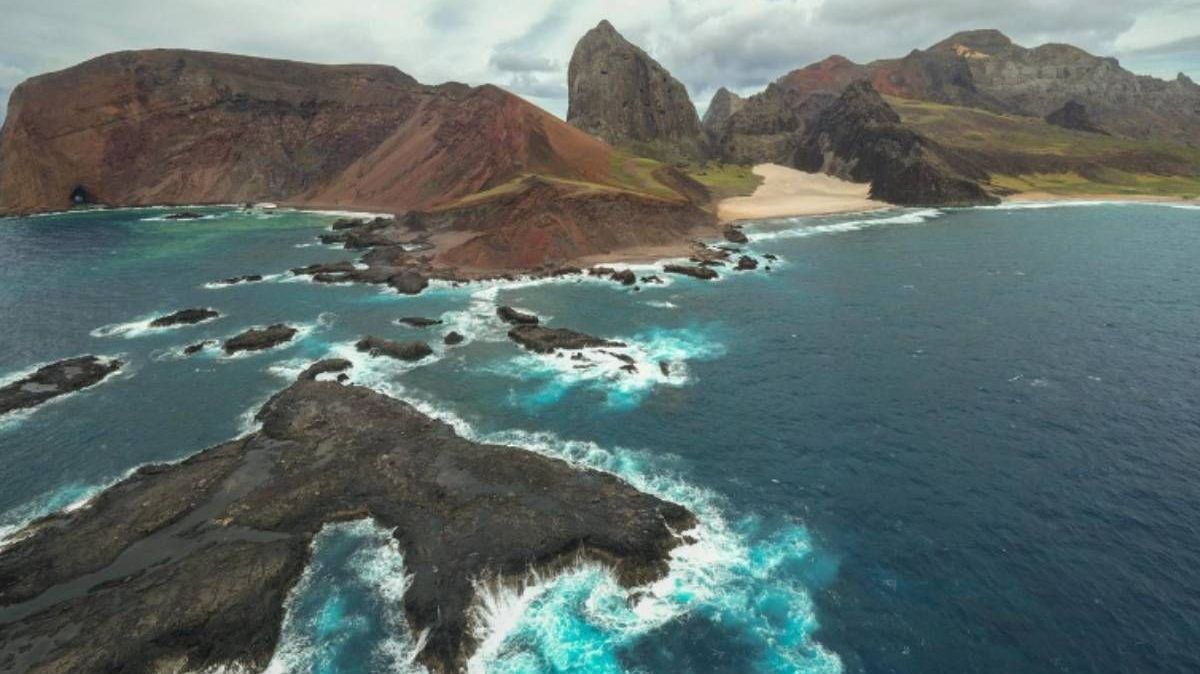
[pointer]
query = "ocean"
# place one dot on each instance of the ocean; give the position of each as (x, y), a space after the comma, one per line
(960, 440)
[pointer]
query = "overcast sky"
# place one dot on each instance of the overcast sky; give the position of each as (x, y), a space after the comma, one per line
(525, 46)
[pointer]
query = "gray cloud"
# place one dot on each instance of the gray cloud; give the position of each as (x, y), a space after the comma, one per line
(525, 46)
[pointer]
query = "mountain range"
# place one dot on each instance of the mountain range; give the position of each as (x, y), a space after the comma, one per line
(507, 185)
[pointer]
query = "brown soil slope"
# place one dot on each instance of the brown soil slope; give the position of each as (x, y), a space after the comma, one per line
(177, 126)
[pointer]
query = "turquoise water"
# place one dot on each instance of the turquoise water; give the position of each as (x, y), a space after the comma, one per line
(925, 441)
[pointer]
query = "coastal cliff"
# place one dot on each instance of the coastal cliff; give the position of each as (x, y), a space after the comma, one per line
(181, 127)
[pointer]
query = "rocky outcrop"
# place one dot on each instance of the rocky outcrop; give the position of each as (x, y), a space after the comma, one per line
(515, 317)
(407, 351)
(186, 567)
(698, 272)
(236, 280)
(1074, 115)
(327, 366)
(723, 105)
(419, 321)
(185, 317)
(618, 92)
(453, 338)
(258, 339)
(54, 380)
(860, 138)
(541, 339)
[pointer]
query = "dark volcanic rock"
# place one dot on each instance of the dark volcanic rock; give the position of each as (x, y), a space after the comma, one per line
(703, 273)
(327, 366)
(618, 92)
(408, 282)
(514, 317)
(548, 340)
(419, 321)
(452, 338)
(193, 349)
(339, 267)
(247, 278)
(55, 379)
(257, 339)
(735, 235)
(189, 565)
(1074, 115)
(378, 346)
(861, 138)
(746, 263)
(184, 317)
(185, 215)
(624, 277)
(723, 105)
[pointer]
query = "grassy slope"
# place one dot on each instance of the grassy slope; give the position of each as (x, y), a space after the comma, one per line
(1106, 160)
(726, 180)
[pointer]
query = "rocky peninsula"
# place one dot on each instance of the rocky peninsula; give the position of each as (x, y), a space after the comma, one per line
(186, 567)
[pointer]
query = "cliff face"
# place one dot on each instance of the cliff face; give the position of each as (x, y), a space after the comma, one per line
(860, 138)
(182, 127)
(724, 103)
(173, 126)
(619, 93)
(1043, 79)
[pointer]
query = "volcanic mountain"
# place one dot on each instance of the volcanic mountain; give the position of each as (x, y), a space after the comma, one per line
(999, 114)
(621, 94)
(186, 127)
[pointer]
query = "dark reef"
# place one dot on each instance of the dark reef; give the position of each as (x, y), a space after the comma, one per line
(54, 380)
(185, 567)
(257, 339)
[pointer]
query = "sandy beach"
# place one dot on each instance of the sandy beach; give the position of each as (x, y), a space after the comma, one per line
(1049, 196)
(787, 192)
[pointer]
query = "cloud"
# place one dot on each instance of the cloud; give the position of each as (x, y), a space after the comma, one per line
(526, 46)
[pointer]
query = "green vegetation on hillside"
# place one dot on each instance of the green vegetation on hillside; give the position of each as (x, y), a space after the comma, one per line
(726, 180)
(1025, 154)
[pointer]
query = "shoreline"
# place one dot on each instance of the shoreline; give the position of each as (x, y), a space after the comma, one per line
(1050, 197)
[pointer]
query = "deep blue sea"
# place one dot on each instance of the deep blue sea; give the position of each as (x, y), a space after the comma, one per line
(925, 441)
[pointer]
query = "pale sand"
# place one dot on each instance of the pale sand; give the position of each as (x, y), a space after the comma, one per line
(787, 192)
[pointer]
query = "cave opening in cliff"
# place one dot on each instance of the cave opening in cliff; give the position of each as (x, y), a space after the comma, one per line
(80, 196)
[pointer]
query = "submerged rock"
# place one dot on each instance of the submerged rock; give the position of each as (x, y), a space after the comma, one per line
(193, 349)
(54, 380)
(452, 338)
(378, 346)
(548, 340)
(746, 263)
(514, 317)
(192, 562)
(322, 268)
(183, 215)
(257, 339)
(246, 278)
(420, 321)
(703, 273)
(184, 317)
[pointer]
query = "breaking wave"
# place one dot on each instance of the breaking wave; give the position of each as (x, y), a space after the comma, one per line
(801, 227)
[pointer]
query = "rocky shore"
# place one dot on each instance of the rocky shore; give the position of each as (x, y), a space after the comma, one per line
(257, 339)
(187, 567)
(55, 379)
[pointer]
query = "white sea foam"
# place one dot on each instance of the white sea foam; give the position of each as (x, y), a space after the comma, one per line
(661, 304)
(378, 568)
(1085, 203)
(807, 226)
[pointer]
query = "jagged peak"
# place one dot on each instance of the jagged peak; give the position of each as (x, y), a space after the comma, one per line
(830, 62)
(984, 40)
